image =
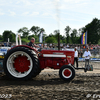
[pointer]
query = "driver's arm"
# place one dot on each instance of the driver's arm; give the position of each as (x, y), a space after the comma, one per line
(36, 46)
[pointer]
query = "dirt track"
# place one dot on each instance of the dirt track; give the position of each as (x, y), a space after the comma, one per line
(48, 86)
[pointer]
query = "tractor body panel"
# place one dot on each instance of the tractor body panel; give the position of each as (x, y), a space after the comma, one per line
(55, 59)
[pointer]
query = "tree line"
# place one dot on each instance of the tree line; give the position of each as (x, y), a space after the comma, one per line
(72, 36)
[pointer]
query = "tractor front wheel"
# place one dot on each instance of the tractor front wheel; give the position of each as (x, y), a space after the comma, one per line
(67, 73)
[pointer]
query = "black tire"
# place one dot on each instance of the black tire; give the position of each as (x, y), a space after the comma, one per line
(67, 73)
(29, 67)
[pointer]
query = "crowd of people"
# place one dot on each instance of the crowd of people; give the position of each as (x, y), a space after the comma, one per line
(51, 46)
(95, 49)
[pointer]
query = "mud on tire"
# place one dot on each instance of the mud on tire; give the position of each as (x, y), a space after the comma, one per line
(21, 63)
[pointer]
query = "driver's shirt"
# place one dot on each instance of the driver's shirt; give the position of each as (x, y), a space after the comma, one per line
(31, 44)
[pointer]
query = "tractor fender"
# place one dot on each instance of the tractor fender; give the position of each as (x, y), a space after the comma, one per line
(26, 46)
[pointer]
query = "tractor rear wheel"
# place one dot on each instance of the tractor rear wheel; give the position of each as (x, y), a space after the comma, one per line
(21, 63)
(67, 73)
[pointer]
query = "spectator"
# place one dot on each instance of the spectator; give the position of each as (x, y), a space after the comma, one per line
(68, 45)
(2, 45)
(78, 48)
(76, 57)
(89, 43)
(87, 55)
(26, 43)
(81, 53)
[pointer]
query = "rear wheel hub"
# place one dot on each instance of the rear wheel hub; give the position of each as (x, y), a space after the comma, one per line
(21, 64)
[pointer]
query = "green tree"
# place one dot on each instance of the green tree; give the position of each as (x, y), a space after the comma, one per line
(44, 37)
(56, 32)
(41, 30)
(93, 31)
(81, 30)
(67, 31)
(25, 40)
(99, 41)
(35, 30)
(62, 38)
(51, 39)
(24, 31)
(9, 34)
(1, 38)
(74, 36)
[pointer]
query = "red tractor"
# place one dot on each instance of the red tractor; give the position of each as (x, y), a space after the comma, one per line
(23, 62)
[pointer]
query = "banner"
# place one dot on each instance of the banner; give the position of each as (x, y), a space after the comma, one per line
(3, 51)
(84, 38)
(41, 37)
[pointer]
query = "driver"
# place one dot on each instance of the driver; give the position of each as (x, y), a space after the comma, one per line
(31, 43)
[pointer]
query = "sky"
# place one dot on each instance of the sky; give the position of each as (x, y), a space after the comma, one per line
(48, 14)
